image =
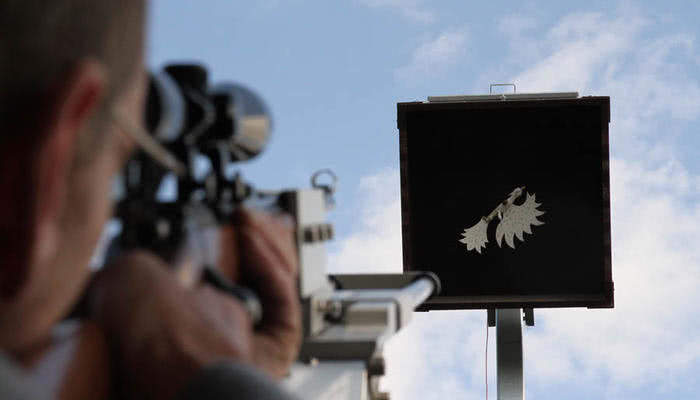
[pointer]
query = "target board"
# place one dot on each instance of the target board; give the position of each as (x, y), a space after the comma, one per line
(507, 200)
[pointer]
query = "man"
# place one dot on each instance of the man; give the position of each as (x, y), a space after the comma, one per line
(65, 67)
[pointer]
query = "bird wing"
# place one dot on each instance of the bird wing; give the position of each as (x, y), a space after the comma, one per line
(475, 237)
(517, 219)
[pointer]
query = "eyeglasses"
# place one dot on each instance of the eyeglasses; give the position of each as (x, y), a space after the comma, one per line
(146, 142)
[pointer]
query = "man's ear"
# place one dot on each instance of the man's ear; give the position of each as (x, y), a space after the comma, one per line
(75, 104)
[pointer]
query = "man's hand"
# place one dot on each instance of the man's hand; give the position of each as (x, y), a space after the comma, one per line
(164, 333)
(267, 263)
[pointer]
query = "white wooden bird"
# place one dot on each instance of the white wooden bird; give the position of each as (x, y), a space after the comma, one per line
(514, 221)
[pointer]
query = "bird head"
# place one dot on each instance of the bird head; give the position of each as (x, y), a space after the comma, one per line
(516, 193)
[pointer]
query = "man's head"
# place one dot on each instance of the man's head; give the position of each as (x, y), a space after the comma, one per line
(64, 65)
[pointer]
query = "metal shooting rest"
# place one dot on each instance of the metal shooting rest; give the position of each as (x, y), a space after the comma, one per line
(346, 318)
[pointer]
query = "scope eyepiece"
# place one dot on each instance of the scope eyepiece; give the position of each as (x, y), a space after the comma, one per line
(184, 111)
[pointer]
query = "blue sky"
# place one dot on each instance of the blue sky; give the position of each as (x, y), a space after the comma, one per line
(332, 72)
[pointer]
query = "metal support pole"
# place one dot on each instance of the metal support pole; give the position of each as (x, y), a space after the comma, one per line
(509, 354)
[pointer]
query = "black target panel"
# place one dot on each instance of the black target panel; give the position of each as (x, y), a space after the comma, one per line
(460, 161)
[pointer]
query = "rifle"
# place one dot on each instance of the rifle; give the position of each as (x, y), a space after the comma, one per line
(195, 134)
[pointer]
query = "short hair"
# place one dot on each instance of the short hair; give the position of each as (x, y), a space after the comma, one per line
(41, 42)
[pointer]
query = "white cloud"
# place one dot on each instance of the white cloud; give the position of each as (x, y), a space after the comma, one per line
(439, 356)
(411, 9)
(374, 247)
(650, 338)
(434, 57)
(579, 45)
